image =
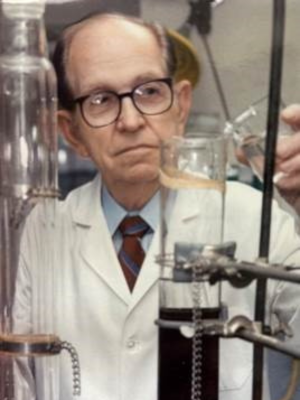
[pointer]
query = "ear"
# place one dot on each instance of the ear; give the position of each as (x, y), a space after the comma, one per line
(70, 133)
(183, 91)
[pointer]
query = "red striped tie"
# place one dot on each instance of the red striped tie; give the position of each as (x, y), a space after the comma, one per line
(131, 254)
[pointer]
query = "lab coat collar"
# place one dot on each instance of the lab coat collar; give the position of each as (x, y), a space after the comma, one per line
(86, 207)
(96, 247)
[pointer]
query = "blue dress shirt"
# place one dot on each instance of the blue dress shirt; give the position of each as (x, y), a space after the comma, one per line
(115, 213)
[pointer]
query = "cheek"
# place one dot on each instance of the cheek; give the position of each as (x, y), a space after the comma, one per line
(97, 147)
(100, 156)
(167, 127)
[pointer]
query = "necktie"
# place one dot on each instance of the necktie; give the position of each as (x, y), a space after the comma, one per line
(131, 255)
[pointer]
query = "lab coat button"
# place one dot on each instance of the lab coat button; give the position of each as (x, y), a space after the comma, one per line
(131, 343)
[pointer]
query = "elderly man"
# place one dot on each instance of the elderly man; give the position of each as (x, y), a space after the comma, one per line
(118, 102)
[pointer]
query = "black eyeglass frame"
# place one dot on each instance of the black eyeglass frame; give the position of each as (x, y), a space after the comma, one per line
(80, 100)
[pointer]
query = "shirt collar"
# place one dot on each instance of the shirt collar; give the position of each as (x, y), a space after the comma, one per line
(114, 212)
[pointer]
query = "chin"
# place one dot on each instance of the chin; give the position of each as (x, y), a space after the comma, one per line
(142, 175)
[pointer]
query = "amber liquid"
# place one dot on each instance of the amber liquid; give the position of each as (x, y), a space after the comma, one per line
(175, 359)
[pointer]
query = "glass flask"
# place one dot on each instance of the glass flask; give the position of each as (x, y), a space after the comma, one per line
(248, 131)
(192, 177)
(28, 184)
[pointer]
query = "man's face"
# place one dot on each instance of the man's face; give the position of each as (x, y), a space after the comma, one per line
(117, 56)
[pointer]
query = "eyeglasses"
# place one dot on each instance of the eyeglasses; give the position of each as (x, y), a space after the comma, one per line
(100, 109)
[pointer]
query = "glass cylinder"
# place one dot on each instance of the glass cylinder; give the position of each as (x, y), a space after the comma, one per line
(192, 179)
(27, 105)
(28, 179)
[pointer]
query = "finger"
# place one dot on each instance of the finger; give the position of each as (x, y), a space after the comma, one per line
(291, 115)
(241, 156)
(290, 165)
(288, 146)
(290, 184)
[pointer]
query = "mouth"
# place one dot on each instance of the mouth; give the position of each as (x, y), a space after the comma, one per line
(136, 149)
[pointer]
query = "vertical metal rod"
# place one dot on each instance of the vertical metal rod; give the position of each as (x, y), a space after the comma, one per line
(216, 77)
(272, 128)
(200, 17)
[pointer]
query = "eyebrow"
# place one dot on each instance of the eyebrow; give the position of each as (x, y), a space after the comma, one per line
(138, 80)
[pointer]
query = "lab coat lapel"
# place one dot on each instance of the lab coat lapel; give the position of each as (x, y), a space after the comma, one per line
(149, 273)
(97, 249)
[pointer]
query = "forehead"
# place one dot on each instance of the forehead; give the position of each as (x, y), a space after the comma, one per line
(113, 54)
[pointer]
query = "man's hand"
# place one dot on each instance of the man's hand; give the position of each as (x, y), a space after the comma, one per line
(288, 158)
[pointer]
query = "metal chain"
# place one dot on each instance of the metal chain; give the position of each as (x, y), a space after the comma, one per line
(75, 366)
(8, 380)
(197, 349)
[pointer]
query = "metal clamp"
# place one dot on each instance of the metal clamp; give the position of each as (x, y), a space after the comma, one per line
(41, 345)
(29, 345)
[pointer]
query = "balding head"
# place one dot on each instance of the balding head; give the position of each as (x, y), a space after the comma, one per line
(76, 31)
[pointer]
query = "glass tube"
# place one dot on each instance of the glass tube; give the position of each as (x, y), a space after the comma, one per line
(28, 179)
(192, 205)
(192, 177)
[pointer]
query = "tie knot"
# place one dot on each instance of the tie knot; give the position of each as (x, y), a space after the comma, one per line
(133, 226)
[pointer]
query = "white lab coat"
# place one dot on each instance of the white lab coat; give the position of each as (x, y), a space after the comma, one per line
(112, 329)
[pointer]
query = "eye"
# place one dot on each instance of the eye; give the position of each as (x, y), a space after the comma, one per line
(101, 99)
(149, 90)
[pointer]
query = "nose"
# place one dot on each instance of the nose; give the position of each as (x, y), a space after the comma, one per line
(130, 118)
